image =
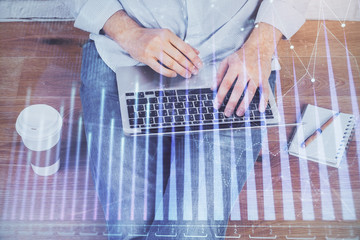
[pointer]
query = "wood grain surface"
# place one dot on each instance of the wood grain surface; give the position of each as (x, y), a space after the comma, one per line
(40, 63)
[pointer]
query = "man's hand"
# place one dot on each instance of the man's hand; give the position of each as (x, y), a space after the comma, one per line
(152, 46)
(250, 67)
(160, 49)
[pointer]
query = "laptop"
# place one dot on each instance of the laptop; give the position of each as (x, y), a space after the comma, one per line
(153, 104)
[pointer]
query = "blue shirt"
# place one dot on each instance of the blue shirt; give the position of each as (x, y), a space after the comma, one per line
(216, 28)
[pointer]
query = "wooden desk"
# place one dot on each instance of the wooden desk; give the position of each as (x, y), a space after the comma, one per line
(309, 200)
(40, 63)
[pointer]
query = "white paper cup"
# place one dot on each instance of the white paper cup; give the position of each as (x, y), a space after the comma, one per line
(40, 129)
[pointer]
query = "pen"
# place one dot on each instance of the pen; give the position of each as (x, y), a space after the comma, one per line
(319, 131)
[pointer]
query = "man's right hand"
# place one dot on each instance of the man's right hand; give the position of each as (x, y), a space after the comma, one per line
(160, 49)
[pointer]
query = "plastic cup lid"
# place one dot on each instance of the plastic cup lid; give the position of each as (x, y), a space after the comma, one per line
(38, 122)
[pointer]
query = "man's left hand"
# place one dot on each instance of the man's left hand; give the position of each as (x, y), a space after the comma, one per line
(247, 69)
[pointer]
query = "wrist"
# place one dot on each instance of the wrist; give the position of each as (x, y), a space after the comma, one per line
(264, 39)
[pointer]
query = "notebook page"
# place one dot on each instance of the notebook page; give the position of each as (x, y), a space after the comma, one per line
(330, 146)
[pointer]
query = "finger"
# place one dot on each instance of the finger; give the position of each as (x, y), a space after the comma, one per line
(186, 50)
(176, 55)
(173, 65)
(264, 96)
(220, 73)
(161, 69)
(249, 94)
(235, 96)
(225, 86)
(197, 51)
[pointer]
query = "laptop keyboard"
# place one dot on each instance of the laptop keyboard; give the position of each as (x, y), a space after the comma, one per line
(191, 109)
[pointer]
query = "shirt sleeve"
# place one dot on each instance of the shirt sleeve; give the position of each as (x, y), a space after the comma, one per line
(92, 14)
(286, 15)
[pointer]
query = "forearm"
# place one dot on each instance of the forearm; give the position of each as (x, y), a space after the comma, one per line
(264, 38)
(119, 26)
(153, 47)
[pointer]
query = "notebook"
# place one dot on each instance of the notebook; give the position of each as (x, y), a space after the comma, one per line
(331, 145)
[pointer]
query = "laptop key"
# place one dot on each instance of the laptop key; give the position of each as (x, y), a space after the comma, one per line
(189, 104)
(211, 109)
(206, 90)
(179, 118)
(130, 101)
(142, 114)
(153, 100)
(158, 106)
(252, 106)
(149, 121)
(203, 110)
(140, 108)
(159, 120)
(159, 93)
(202, 97)
(172, 112)
(256, 113)
(170, 92)
(192, 98)
(142, 101)
(189, 118)
(193, 111)
(173, 99)
(179, 105)
(182, 98)
(130, 109)
(268, 113)
(150, 107)
(153, 114)
(163, 100)
(132, 115)
(162, 113)
(182, 92)
(219, 116)
(136, 121)
(182, 111)
(208, 103)
(169, 105)
(194, 91)
(198, 117)
(140, 95)
(238, 119)
(209, 116)
(222, 108)
(210, 96)
(168, 119)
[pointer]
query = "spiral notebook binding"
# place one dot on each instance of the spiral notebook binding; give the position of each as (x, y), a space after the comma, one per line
(347, 138)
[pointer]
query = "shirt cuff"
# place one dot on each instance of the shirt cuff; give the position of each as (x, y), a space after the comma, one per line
(95, 13)
(281, 15)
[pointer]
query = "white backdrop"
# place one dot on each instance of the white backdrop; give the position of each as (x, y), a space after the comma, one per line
(25, 10)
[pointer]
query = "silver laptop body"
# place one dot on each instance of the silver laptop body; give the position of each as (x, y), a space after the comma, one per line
(146, 98)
